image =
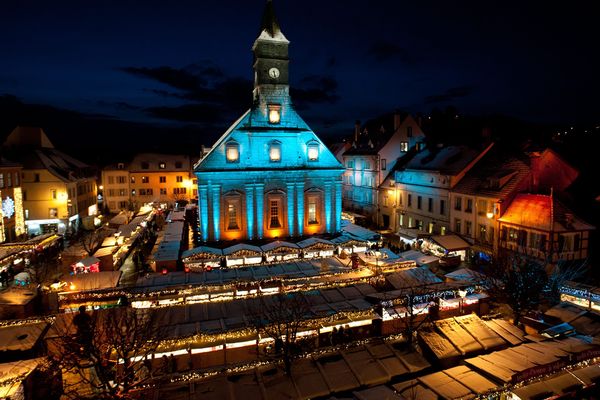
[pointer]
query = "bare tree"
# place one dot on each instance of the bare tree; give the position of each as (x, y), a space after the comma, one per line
(415, 302)
(519, 282)
(280, 317)
(91, 241)
(108, 352)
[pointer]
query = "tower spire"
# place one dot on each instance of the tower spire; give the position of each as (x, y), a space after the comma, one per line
(269, 22)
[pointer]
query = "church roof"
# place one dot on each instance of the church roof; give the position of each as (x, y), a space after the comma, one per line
(28, 136)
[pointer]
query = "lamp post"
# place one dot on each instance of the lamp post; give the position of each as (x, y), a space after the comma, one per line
(462, 293)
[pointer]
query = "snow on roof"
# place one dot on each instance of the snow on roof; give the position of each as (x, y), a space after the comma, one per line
(15, 370)
(21, 337)
(465, 275)
(278, 244)
(359, 233)
(303, 244)
(95, 280)
(241, 247)
(420, 258)
(202, 249)
(377, 393)
(412, 277)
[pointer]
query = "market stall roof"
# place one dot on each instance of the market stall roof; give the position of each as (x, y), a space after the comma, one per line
(105, 251)
(465, 275)
(441, 347)
(202, 252)
(95, 280)
(377, 393)
(420, 258)
(120, 219)
(16, 296)
(450, 242)
(279, 244)
(358, 232)
(242, 248)
(347, 239)
(314, 241)
(21, 337)
(18, 370)
(411, 277)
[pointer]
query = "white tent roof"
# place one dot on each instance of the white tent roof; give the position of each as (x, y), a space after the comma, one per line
(278, 243)
(240, 247)
(450, 242)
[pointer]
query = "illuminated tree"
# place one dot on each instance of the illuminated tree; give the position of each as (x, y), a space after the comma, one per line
(280, 317)
(106, 354)
(91, 241)
(518, 282)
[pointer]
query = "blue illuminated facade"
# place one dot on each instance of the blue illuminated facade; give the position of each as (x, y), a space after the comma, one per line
(269, 175)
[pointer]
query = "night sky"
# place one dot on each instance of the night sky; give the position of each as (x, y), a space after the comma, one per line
(188, 64)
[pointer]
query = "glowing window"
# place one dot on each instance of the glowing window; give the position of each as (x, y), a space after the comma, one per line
(162, 165)
(274, 214)
(275, 151)
(404, 146)
(232, 152)
(313, 152)
(274, 113)
(232, 223)
(312, 210)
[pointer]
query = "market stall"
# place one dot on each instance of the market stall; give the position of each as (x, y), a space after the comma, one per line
(243, 254)
(202, 258)
(316, 247)
(277, 251)
(86, 265)
(448, 247)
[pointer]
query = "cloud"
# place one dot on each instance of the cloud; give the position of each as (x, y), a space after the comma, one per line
(210, 94)
(385, 51)
(450, 94)
(314, 89)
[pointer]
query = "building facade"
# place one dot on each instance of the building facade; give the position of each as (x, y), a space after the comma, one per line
(422, 189)
(150, 178)
(269, 175)
(372, 157)
(12, 217)
(59, 192)
(542, 227)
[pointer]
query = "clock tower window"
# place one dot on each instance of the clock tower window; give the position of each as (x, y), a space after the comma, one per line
(274, 113)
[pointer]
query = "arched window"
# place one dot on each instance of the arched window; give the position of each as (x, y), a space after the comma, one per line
(275, 151)
(313, 151)
(274, 113)
(233, 211)
(232, 151)
(313, 204)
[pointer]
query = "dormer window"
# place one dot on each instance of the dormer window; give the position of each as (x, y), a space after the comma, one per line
(274, 113)
(313, 151)
(232, 152)
(275, 151)
(162, 165)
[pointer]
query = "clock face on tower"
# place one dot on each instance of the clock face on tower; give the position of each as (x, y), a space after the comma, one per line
(274, 73)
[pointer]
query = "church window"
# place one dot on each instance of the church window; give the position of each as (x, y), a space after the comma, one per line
(313, 201)
(232, 150)
(232, 222)
(275, 151)
(274, 219)
(274, 113)
(313, 151)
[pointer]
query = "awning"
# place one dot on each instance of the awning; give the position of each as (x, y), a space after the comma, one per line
(450, 242)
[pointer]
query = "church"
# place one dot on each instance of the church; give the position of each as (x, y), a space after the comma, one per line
(269, 175)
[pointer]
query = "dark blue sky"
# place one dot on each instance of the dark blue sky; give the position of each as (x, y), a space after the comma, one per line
(189, 62)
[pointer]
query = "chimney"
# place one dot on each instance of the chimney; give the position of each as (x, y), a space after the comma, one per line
(534, 165)
(397, 120)
(356, 130)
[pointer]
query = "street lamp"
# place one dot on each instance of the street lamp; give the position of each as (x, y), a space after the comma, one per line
(462, 293)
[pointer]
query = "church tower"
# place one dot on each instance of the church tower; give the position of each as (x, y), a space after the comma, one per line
(269, 175)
